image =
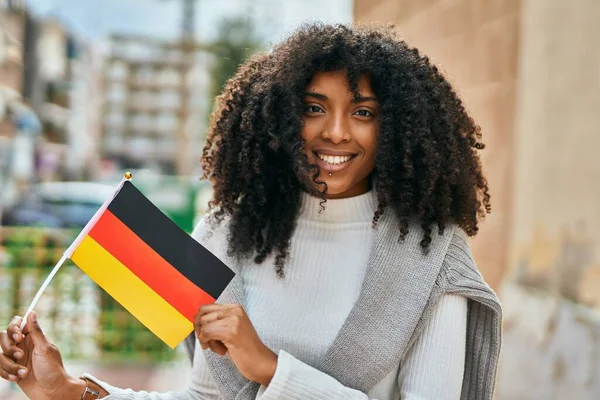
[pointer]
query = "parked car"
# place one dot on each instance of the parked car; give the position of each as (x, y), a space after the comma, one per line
(57, 204)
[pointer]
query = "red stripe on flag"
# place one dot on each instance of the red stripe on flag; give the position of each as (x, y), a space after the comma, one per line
(114, 236)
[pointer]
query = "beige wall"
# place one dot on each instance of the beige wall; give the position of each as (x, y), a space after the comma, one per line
(529, 71)
(556, 233)
(476, 44)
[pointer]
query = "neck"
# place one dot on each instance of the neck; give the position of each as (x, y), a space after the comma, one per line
(359, 208)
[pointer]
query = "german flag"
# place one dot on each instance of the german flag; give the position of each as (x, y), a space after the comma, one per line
(158, 272)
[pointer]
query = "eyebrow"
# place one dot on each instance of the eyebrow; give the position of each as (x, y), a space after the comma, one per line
(364, 99)
(316, 95)
(355, 100)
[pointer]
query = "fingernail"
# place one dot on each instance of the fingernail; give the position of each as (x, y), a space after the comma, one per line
(22, 372)
(16, 336)
(18, 354)
(12, 377)
(33, 316)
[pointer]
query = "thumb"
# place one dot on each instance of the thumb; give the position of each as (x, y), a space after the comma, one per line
(35, 330)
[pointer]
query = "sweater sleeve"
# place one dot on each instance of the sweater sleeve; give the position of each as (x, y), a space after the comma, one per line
(201, 387)
(433, 369)
(296, 380)
(434, 365)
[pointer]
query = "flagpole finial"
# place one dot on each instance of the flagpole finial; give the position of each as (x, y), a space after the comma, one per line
(128, 175)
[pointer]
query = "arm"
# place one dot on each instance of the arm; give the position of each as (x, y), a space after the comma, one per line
(202, 385)
(434, 366)
(433, 369)
(296, 380)
(44, 376)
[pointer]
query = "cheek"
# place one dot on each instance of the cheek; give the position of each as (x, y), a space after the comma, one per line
(368, 142)
(310, 130)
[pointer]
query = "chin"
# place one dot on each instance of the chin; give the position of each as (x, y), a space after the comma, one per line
(334, 188)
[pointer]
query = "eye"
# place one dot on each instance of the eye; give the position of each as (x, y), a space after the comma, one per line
(313, 109)
(364, 113)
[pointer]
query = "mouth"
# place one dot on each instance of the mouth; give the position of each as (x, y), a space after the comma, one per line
(334, 162)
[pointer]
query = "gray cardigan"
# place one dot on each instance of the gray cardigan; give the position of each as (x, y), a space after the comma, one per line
(400, 281)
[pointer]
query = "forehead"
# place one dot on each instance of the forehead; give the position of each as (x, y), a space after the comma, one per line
(336, 82)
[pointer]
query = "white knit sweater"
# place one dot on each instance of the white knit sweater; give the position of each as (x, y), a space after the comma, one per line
(300, 315)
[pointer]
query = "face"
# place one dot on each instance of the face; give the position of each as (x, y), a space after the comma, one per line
(340, 132)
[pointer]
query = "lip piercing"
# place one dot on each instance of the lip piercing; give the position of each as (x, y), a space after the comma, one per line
(330, 174)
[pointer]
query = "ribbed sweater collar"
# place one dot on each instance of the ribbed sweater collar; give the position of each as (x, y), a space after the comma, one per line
(359, 208)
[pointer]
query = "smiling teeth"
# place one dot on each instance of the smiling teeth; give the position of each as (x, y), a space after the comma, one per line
(334, 159)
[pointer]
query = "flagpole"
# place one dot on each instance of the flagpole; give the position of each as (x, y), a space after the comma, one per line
(44, 286)
(69, 252)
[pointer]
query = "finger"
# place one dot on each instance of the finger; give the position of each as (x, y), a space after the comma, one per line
(11, 367)
(7, 376)
(218, 330)
(218, 347)
(34, 330)
(209, 308)
(203, 338)
(210, 313)
(222, 310)
(200, 337)
(211, 317)
(9, 348)
(14, 329)
(215, 345)
(4, 374)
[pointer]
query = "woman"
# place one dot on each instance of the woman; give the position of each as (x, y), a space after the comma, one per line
(346, 179)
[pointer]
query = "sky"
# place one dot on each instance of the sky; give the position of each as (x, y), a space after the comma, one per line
(95, 19)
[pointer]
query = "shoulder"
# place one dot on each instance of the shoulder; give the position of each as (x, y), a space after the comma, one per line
(459, 273)
(453, 247)
(459, 254)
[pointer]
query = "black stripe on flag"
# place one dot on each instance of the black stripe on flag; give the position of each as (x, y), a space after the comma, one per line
(178, 248)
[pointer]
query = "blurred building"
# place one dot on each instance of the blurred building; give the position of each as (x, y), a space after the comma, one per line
(528, 71)
(16, 152)
(49, 83)
(65, 86)
(12, 33)
(84, 127)
(155, 104)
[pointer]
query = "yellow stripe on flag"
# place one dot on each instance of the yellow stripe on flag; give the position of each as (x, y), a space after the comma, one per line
(133, 294)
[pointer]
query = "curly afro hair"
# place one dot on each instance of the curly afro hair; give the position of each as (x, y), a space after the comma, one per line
(427, 163)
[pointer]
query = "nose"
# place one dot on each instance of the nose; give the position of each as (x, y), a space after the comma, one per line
(336, 130)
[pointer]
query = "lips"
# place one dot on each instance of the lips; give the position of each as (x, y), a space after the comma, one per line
(333, 160)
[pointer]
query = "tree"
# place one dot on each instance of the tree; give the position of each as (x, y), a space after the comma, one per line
(236, 41)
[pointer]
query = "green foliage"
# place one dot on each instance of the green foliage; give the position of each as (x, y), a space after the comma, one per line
(78, 315)
(236, 41)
